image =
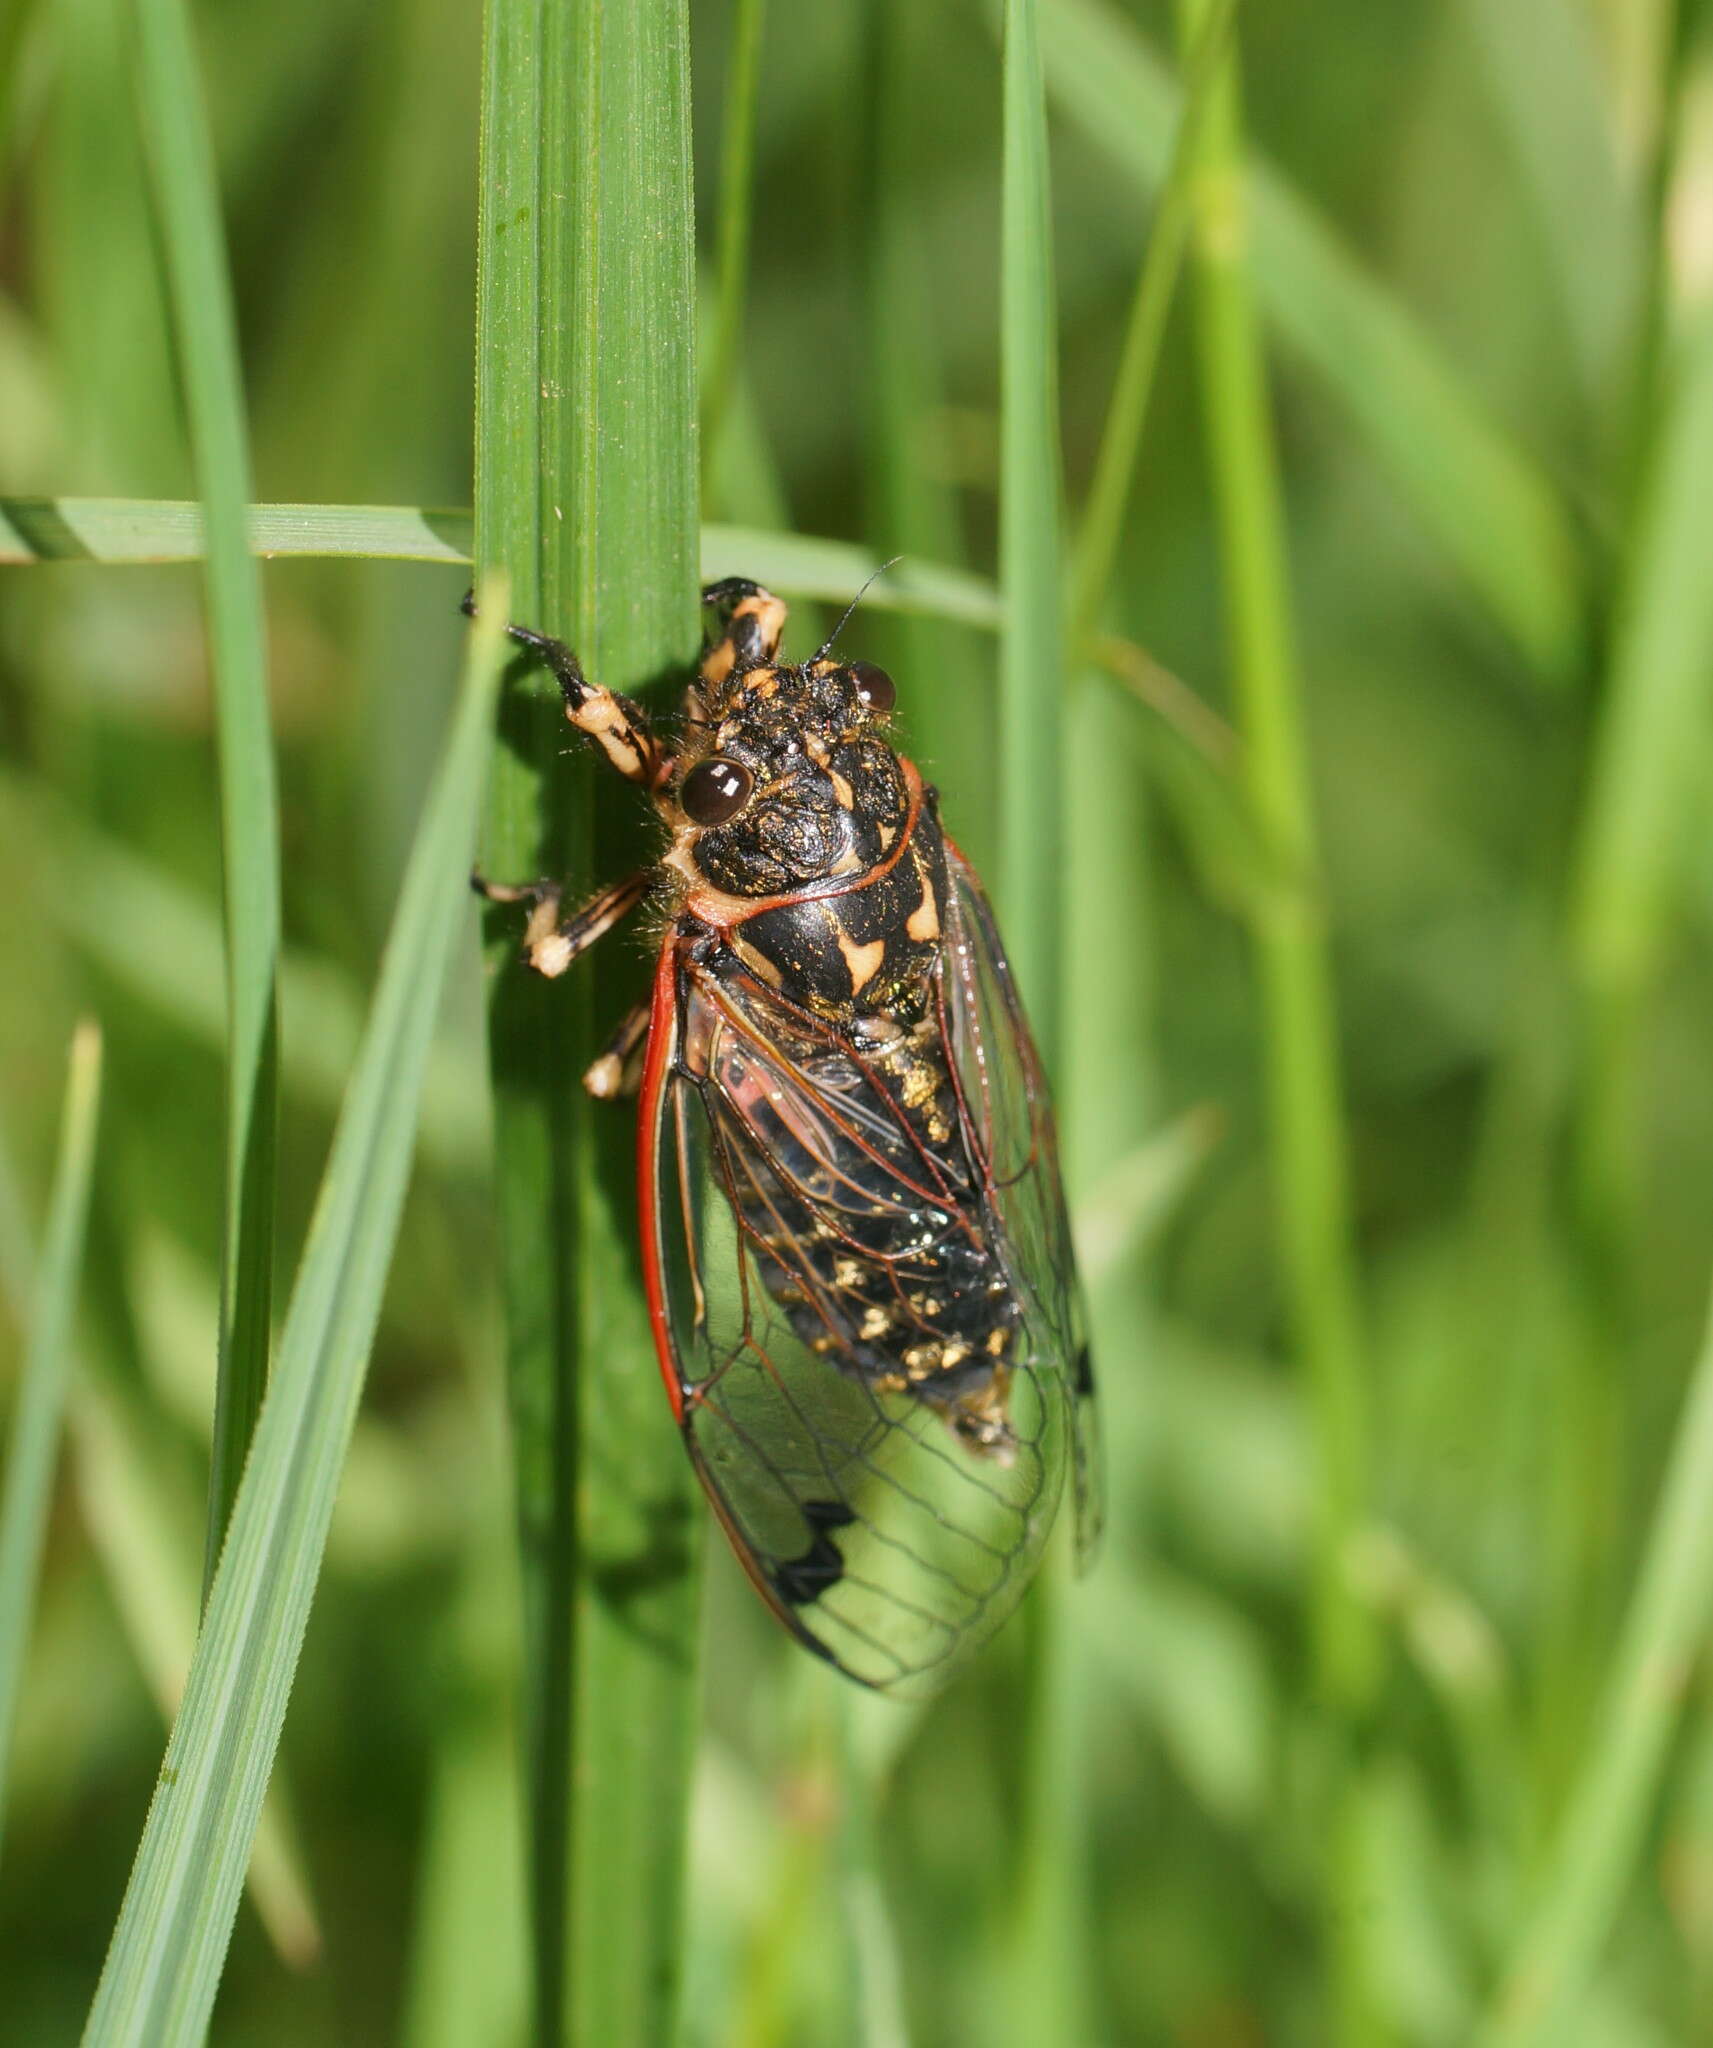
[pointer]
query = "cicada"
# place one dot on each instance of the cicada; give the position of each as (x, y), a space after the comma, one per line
(857, 1261)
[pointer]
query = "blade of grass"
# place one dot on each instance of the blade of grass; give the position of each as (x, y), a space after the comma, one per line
(1308, 1139)
(1047, 1980)
(164, 1963)
(1582, 1887)
(180, 155)
(1645, 774)
(154, 1578)
(34, 1448)
(160, 941)
(947, 682)
(1031, 653)
(142, 530)
(132, 1529)
(1102, 522)
(736, 210)
(1486, 503)
(586, 490)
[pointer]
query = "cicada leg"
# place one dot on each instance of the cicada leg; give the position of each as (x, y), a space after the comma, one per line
(751, 622)
(618, 1070)
(550, 942)
(618, 727)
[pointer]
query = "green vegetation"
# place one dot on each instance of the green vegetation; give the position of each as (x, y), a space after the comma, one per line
(1299, 429)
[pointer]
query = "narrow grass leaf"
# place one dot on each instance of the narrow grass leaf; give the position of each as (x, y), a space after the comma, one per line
(160, 941)
(732, 225)
(169, 1945)
(34, 1448)
(143, 530)
(1046, 1977)
(180, 155)
(1102, 523)
(586, 479)
(153, 1573)
(1489, 506)
(1595, 1858)
(1304, 1096)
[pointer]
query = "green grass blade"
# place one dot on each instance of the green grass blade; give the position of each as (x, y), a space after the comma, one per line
(1031, 661)
(1600, 1843)
(142, 530)
(586, 491)
(1045, 1983)
(736, 211)
(1303, 1086)
(161, 943)
(150, 1555)
(1102, 524)
(1645, 775)
(181, 161)
(163, 1966)
(34, 1448)
(174, 530)
(1486, 503)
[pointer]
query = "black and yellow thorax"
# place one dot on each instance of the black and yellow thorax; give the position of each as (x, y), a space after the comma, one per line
(808, 841)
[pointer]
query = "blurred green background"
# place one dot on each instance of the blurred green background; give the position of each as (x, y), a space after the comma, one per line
(1498, 480)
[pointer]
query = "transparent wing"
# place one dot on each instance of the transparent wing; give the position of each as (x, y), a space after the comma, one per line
(809, 1245)
(1008, 1114)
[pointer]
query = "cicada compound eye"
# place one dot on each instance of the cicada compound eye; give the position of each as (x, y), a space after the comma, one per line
(715, 790)
(874, 687)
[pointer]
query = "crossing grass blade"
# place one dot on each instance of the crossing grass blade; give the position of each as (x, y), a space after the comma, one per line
(1046, 1981)
(1101, 526)
(1308, 1139)
(586, 480)
(169, 1945)
(180, 155)
(142, 530)
(1582, 1886)
(1476, 491)
(33, 1451)
(736, 211)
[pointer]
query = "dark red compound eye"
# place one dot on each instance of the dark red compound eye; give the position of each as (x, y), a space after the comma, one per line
(874, 687)
(715, 790)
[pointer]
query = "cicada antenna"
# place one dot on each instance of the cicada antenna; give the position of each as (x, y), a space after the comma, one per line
(827, 644)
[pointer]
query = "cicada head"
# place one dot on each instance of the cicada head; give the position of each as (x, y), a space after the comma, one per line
(796, 782)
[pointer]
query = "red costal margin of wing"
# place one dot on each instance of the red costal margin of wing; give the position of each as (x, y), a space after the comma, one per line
(662, 1033)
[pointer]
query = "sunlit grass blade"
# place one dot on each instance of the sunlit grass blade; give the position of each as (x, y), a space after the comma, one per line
(1046, 1980)
(154, 1577)
(736, 211)
(163, 1966)
(33, 1451)
(586, 479)
(1308, 1139)
(1644, 778)
(909, 510)
(175, 530)
(1485, 502)
(161, 943)
(1102, 522)
(1600, 1841)
(180, 154)
(141, 530)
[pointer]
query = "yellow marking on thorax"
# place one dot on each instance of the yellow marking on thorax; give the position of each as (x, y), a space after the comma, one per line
(923, 923)
(863, 961)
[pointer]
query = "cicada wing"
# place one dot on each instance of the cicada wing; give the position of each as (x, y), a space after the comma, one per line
(1008, 1114)
(788, 1201)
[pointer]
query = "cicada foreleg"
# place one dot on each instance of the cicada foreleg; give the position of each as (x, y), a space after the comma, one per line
(618, 727)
